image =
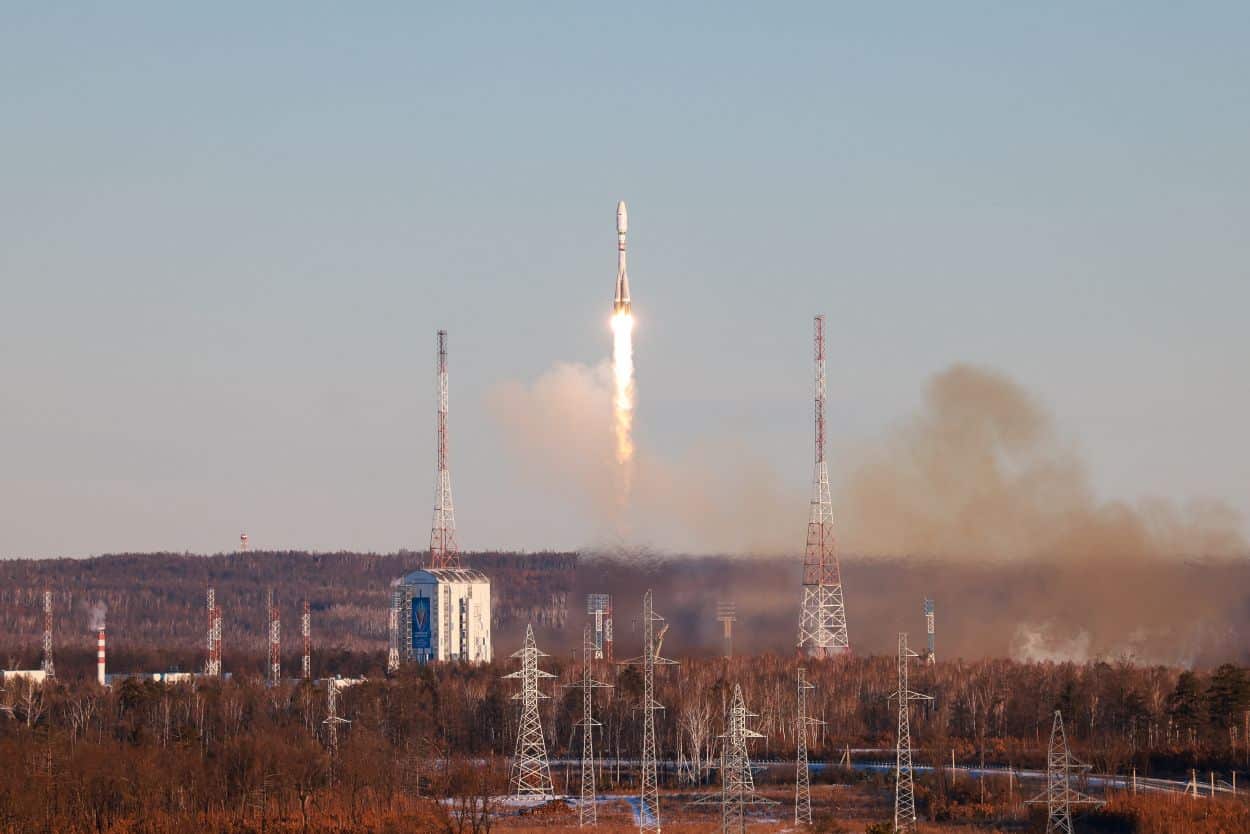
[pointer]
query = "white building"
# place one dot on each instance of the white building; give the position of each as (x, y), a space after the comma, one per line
(444, 614)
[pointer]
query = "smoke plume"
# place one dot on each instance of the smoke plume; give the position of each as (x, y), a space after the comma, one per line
(95, 616)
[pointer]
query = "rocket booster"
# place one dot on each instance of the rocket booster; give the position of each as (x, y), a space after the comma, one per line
(621, 303)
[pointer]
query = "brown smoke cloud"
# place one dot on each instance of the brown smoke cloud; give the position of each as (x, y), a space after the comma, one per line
(974, 500)
(979, 473)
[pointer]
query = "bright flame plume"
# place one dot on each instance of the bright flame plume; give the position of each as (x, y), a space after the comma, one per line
(623, 373)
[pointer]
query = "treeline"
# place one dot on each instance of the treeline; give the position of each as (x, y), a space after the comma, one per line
(236, 753)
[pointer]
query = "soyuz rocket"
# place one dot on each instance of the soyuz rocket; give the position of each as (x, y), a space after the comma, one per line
(621, 303)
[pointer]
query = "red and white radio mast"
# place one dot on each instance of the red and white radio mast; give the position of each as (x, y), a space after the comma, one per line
(444, 551)
(213, 667)
(822, 619)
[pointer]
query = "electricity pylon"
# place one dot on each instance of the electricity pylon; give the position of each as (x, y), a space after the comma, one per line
(333, 720)
(802, 776)
(737, 780)
(904, 785)
(531, 775)
(1060, 796)
(586, 811)
(649, 795)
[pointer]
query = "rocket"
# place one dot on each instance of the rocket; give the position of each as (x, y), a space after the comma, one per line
(621, 303)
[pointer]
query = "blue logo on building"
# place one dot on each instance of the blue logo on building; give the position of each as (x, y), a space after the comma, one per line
(421, 622)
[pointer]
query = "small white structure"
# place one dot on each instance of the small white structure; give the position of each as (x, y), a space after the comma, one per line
(32, 675)
(444, 614)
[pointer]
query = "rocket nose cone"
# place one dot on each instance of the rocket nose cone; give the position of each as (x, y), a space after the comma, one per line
(622, 218)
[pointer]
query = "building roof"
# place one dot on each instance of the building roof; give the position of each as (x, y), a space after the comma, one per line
(429, 575)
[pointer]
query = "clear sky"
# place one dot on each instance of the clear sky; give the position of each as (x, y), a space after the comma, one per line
(228, 233)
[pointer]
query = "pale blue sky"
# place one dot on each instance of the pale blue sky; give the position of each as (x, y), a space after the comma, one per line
(228, 233)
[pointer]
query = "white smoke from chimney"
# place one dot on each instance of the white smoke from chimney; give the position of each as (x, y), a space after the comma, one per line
(95, 616)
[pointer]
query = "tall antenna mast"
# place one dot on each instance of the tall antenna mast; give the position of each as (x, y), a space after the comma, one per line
(531, 775)
(904, 785)
(444, 551)
(213, 667)
(275, 643)
(822, 618)
(305, 627)
(649, 796)
(802, 775)
(586, 811)
(49, 669)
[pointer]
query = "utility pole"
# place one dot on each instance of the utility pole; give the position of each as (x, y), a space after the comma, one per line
(587, 813)
(649, 795)
(1060, 796)
(531, 775)
(444, 551)
(822, 617)
(904, 785)
(802, 776)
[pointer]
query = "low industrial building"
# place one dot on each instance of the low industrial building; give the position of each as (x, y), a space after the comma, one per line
(444, 614)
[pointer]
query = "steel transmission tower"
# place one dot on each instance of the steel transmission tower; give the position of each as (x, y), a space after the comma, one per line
(275, 643)
(212, 668)
(904, 786)
(49, 668)
(802, 776)
(1060, 796)
(586, 810)
(444, 551)
(822, 619)
(333, 721)
(737, 780)
(531, 776)
(649, 796)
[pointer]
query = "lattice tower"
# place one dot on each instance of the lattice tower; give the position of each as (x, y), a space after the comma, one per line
(275, 642)
(931, 656)
(649, 793)
(904, 783)
(392, 624)
(531, 775)
(305, 627)
(737, 779)
(822, 617)
(444, 551)
(586, 810)
(333, 721)
(802, 775)
(1060, 796)
(212, 667)
(49, 667)
(726, 616)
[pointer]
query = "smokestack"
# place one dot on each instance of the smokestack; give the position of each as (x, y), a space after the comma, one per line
(99, 657)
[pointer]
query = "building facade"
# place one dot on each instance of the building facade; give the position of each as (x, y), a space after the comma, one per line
(444, 614)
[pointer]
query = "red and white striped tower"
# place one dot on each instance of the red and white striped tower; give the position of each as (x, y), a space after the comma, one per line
(48, 668)
(444, 551)
(822, 618)
(99, 657)
(305, 626)
(275, 643)
(212, 668)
